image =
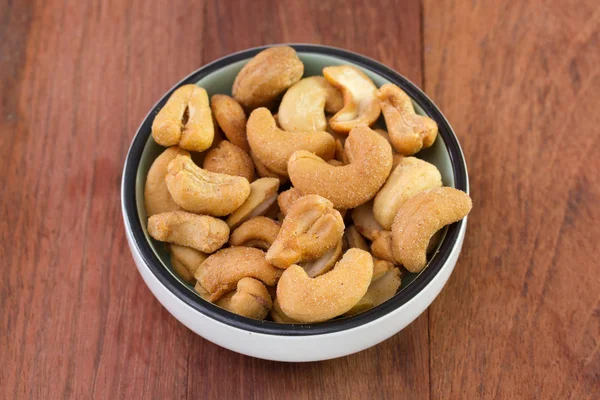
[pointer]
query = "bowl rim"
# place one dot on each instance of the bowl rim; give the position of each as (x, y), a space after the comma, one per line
(151, 261)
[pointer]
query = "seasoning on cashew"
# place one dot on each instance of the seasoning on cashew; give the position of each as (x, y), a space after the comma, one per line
(230, 116)
(229, 159)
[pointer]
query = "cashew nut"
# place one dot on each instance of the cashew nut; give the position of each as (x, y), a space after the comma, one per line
(329, 295)
(365, 221)
(221, 271)
(310, 228)
(420, 217)
(287, 198)
(259, 232)
(351, 185)
(266, 76)
(230, 116)
(200, 191)
(324, 263)
(263, 193)
(383, 287)
(200, 232)
(303, 106)
(185, 119)
(355, 239)
(279, 316)
(409, 178)
(156, 195)
(265, 172)
(229, 159)
(381, 247)
(360, 104)
(273, 146)
(251, 299)
(396, 160)
(409, 132)
(185, 261)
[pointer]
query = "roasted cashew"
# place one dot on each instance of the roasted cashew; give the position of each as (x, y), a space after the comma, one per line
(355, 239)
(156, 195)
(409, 131)
(324, 263)
(185, 119)
(420, 217)
(279, 316)
(360, 104)
(200, 232)
(409, 178)
(230, 116)
(266, 76)
(221, 271)
(251, 299)
(310, 228)
(381, 247)
(197, 190)
(318, 299)
(273, 146)
(259, 232)
(265, 172)
(351, 185)
(229, 159)
(303, 106)
(185, 261)
(383, 287)
(287, 198)
(263, 193)
(365, 221)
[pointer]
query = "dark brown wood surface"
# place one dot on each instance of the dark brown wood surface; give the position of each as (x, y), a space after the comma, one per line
(519, 81)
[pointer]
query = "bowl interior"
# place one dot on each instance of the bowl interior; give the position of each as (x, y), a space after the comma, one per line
(221, 81)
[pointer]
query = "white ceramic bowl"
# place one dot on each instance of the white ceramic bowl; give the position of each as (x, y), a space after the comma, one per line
(297, 342)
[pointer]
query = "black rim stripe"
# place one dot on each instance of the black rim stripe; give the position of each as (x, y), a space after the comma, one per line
(272, 328)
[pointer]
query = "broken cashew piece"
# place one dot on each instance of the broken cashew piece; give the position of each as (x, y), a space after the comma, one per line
(329, 295)
(263, 193)
(303, 106)
(364, 220)
(156, 195)
(383, 287)
(229, 159)
(266, 76)
(347, 186)
(409, 132)
(360, 104)
(420, 217)
(200, 232)
(273, 146)
(185, 119)
(324, 263)
(197, 190)
(250, 299)
(310, 228)
(230, 116)
(185, 261)
(409, 178)
(259, 232)
(221, 271)
(287, 198)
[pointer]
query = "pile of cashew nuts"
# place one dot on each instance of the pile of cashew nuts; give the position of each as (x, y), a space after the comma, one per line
(304, 215)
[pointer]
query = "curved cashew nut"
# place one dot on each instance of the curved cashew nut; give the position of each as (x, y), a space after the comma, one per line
(287, 198)
(185, 261)
(259, 232)
(364, 220)
(185, 119)
(360, 104)
(251, 299)
(324, 263)
(229, 159)
(263, 193)
(351, 185)
(221, 271)
(197, 190)
(311, 227)
(409, 132)
(318, 299)
(230, 116)
(156, 195)
(273, 146)
(420, 217)
(409, 178)
(200, 232)
(303, 106)
(266, 76)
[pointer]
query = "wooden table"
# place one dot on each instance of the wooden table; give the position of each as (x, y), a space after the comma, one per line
(520, 316)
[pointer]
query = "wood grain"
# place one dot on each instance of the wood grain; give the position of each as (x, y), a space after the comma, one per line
(520, 316)
(77, 78)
